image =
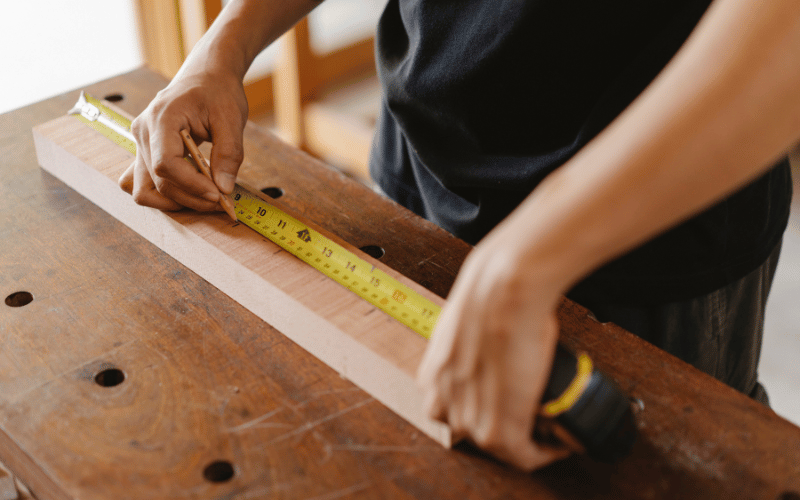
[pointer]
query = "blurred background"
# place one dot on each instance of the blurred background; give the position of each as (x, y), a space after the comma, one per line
(315, 88)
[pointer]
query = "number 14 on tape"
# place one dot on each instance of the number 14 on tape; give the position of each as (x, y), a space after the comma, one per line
(343, 266)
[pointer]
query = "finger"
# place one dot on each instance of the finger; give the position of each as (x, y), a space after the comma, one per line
(187, 200)
(126, 179)
(144, 191)
(169, 167)
(525, 454)
(227, 153)
(434, 407)
(142, 188)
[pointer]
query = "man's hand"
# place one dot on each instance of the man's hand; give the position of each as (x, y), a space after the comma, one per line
(207, 98)
(488, 361)
(720, 114)
(214, 108)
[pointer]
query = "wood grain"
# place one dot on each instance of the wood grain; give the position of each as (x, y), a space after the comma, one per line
(349, 334)
(209, 381)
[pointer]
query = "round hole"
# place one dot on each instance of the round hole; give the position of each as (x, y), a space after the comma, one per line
(373, 251)
(219, 471)
(19, 299)
(789, 495)
(273, 192)
(110, 377)
(114, 97)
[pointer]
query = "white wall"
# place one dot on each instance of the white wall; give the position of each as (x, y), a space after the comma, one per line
(48, 47)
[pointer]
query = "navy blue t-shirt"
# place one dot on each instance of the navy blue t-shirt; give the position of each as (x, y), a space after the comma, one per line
(483, 98)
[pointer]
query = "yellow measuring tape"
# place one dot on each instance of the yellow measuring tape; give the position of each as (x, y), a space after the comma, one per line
(105, 120)
(341, 265)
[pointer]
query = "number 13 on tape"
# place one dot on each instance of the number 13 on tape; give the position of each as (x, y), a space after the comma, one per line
(343, 266)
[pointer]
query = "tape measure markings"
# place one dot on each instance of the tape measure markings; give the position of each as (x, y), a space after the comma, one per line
(336, 262)
(331, 259)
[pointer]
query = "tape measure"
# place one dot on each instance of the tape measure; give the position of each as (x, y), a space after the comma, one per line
(105, 120)
(331, 259)
(362, 278)
(581, 406)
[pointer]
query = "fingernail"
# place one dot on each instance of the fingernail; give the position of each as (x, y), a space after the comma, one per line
(225, 181)
(211, 196)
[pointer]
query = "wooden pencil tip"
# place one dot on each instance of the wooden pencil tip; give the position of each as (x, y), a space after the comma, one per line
(227, 204)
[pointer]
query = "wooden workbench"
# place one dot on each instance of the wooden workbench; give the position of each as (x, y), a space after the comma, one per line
(251, 403)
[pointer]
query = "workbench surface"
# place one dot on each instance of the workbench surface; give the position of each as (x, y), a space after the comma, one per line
(198, 398)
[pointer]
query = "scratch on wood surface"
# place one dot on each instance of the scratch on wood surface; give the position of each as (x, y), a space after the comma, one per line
(318, 395)
(65, 293)
(383, 448)
(67, 208)
(310, 425)
(18, 397)
(266, 491)
(258, 422)
(327, 448)
(429, 260)
(203, 350)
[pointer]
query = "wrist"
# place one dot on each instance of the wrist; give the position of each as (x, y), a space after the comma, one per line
(547, 239)
(219, 55)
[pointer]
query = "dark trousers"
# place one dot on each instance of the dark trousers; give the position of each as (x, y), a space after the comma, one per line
(719, 333)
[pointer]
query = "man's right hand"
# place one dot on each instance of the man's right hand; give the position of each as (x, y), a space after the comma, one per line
(207, 98)
(213, 108)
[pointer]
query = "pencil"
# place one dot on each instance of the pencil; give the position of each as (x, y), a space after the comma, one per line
(202, 165)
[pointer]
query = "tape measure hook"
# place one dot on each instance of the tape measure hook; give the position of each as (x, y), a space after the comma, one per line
(94, 111)
(85, 109)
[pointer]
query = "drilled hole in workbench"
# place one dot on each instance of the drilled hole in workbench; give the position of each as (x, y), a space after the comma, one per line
(114, 97)
(273, 192)
(19, 299)
(789, 495)
(110, 377)
(219, 471)
(373, 251)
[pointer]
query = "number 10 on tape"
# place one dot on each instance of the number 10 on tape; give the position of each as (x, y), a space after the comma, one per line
(343, 266)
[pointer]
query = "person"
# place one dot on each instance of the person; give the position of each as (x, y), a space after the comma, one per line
(626, 154)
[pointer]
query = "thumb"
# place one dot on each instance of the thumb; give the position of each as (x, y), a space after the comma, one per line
(227, 154)
(126, 179)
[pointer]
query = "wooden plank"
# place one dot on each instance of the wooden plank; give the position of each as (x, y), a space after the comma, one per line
(346, 332)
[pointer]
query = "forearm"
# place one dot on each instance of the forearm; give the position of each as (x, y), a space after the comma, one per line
(241, 31)
(724, 110)
(207, 98)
